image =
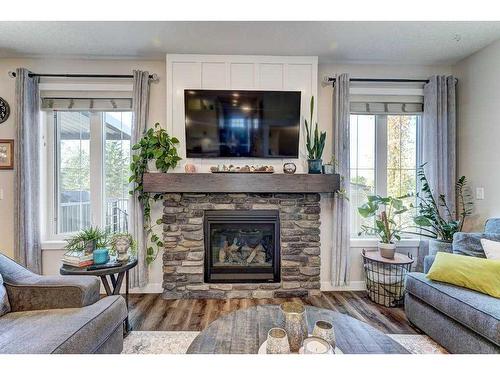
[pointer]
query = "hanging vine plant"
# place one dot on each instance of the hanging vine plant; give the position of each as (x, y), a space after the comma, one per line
(155, 145)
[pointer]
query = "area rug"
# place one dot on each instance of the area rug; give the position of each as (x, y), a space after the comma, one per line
(177, 342)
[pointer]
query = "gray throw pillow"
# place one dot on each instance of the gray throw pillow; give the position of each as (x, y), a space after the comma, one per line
(470, 243)
(4, 299)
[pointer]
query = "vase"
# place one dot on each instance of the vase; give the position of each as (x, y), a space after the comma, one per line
(387, 250)
(328, 169)
(277, 341)
(436, 246)
(101, 256)
(314, 166)
(295, 324)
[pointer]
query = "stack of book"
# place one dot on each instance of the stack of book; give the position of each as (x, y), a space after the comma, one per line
(77, 259)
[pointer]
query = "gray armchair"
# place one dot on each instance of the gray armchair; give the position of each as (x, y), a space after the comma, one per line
(60, 314)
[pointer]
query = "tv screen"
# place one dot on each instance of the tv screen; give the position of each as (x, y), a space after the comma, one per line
(254, 124)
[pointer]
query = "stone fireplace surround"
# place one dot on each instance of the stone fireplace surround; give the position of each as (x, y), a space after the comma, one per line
(183, 258)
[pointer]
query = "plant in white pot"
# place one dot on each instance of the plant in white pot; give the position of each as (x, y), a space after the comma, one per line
(384, 210)
(434, 217)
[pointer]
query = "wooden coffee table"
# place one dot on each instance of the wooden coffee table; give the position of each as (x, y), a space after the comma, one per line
(243, 331)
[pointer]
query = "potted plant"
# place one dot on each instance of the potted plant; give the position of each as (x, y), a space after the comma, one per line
(384, 210)
(315, 144)
(329, 168)
(87, 240)
(435, 219)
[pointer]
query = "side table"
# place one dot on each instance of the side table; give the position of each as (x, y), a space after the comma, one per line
(116, 276)
(385, 278)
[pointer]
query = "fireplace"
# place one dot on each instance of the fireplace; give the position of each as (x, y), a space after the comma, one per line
(242, 246)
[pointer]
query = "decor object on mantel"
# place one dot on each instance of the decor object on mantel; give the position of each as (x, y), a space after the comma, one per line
(4, 110)
(245, 169)
(190, 168)
(289, 168)
(315, 143)
(435, 219)
(6, 154)
(386, 226)
(155, 145)
(385, 278)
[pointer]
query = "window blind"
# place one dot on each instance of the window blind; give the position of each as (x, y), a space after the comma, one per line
(86, 104)
(385, 107)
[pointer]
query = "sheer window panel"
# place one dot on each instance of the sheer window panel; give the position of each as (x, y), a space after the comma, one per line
(73, 171)
(117, 131)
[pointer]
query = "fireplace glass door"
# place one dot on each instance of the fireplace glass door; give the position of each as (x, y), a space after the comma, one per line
(242, 246)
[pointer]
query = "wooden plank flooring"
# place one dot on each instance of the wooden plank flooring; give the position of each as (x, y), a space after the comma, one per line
(150, 312)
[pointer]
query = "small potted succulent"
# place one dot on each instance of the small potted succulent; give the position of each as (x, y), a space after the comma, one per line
(315, 144)
(384, 210)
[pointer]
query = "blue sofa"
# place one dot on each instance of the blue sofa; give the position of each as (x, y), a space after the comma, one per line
(459, 319)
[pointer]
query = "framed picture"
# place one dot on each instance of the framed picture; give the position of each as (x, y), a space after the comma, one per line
(6, 154)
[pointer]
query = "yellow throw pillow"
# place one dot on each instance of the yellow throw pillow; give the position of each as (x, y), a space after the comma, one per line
(478, 274)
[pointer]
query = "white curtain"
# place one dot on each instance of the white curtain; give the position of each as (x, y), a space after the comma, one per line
(341, 209)
(140, 106)
(27, 247)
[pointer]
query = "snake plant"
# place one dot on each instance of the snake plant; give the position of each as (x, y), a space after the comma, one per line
(315, 140)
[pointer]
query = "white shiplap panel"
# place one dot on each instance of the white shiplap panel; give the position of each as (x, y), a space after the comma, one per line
(213, 75)
(185, 75)
(271, 76)
(242, 76)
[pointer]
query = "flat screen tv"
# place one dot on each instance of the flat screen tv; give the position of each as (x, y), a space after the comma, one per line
(253, 124)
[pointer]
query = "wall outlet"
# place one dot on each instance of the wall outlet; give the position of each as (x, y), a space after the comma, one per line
(480, 193)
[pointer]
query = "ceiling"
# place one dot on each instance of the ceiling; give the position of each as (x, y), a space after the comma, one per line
(363, 42)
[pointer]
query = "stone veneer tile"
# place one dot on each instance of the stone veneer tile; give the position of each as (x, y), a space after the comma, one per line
(184, 246)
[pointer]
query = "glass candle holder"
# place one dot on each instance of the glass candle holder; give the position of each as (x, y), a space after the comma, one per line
(324, 330)
(277, 341)
(315, 345)
(295, 324)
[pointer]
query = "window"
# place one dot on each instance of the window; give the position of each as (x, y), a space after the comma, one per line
(384, 158)
(91, 158)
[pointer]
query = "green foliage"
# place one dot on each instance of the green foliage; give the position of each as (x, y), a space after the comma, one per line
(384, 210)
(434, 217)
(155, 145)
(315, 141)
(90, 238)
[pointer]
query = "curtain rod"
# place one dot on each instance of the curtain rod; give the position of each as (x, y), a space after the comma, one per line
(402, 80)
(153, 76)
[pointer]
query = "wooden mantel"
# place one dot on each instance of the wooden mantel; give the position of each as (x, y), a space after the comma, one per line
(240, 183)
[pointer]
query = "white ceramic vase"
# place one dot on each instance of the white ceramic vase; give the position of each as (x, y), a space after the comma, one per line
(387, 250)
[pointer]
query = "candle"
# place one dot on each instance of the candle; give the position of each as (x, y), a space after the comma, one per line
(315, 345)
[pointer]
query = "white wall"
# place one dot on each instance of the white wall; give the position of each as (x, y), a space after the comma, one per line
(479, 129)
(158, 114)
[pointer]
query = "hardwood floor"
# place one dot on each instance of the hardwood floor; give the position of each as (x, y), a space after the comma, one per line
(150, 312)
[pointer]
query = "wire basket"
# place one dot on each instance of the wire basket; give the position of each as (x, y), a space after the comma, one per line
(386, 279)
